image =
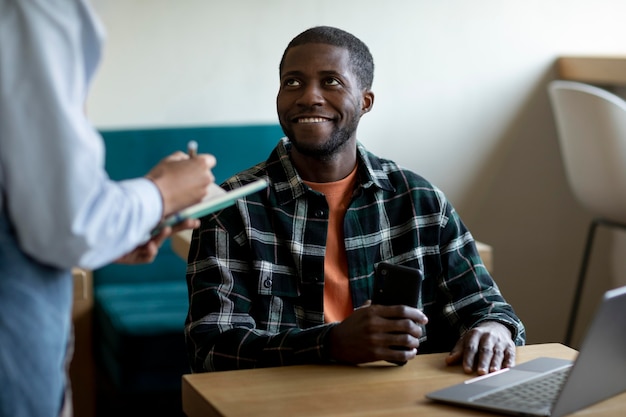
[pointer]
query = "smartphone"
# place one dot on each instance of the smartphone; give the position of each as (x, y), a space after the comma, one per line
(396, 285)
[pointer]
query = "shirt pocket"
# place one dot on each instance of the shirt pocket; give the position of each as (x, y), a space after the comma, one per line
(277, 280)
(278, 306)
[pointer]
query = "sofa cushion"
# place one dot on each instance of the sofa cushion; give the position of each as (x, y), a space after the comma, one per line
(140, 338)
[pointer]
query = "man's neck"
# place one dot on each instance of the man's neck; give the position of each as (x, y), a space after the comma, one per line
(332, 169)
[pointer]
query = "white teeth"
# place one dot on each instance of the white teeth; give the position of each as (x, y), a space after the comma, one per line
(311, 120)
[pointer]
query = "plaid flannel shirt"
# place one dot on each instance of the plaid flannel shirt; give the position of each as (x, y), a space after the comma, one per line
(256, 270)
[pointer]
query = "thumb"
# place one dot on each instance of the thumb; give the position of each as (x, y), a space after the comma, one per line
(456, 354)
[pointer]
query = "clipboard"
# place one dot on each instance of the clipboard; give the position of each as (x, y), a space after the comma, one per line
(210, 205)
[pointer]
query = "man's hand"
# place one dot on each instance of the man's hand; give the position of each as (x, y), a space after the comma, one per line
(486, 348)
(370, 332)
(148, 251)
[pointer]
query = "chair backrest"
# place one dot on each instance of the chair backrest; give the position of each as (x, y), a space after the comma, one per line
(591, 127)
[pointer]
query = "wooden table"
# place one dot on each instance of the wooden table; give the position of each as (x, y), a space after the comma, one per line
(605, 70)
(372, 390)
(182, 240)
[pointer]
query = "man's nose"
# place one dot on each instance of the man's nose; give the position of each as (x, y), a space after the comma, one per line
(311, 95)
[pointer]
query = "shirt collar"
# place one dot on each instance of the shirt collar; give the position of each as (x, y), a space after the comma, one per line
(289, 185)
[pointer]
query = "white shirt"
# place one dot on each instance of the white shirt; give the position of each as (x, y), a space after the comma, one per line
(64, 208)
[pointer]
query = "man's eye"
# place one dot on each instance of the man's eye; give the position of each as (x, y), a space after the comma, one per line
(292, 82)
(332, 81)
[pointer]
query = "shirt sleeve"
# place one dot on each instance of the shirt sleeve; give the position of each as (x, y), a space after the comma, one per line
(473, 296)
(65, 210)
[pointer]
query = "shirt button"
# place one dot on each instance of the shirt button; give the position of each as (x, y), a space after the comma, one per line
(319, 213)
(267, 283)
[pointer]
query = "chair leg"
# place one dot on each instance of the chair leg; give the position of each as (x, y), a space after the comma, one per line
(581, 281)
(583, 271)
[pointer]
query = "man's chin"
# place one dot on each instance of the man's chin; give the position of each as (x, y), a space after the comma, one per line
(317, 142)
(313, 132)
(307, 143)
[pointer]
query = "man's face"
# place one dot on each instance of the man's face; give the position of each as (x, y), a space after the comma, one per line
(319, 101)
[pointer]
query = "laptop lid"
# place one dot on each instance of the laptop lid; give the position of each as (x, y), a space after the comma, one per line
(597, 374)
(600, 368)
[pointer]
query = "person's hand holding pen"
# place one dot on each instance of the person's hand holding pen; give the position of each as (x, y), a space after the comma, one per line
(183, 180)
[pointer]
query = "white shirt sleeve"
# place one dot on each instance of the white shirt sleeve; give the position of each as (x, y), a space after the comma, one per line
(65, 210)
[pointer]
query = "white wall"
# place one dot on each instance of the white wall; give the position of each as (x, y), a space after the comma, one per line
(460, 98)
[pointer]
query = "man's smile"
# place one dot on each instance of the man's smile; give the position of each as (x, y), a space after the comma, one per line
(304, 120)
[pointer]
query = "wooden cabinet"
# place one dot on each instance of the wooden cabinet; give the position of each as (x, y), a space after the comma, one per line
(82, 369)
(604, 70)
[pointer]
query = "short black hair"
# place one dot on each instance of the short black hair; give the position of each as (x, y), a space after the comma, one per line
(361, 60)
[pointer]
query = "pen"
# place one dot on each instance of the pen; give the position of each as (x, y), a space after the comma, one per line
(192, 148)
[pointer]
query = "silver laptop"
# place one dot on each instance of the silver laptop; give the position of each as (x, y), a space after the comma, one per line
(556, 387)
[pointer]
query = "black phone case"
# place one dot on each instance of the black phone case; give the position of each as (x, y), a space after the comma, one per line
(396, 285)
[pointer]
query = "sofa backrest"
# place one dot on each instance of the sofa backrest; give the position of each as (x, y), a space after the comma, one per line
(132, 153)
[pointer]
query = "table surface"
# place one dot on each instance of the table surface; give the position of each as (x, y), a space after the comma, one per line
(377, 389)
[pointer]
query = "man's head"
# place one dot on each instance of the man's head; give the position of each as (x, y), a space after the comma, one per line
(361, 59)
(325, 80)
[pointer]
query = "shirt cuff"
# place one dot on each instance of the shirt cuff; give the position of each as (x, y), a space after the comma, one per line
(151, 200)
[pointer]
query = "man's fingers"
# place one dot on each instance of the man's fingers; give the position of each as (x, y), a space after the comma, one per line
(496, 360)
(486, 347)
(509, 357)
(401, 311)
(470, 351)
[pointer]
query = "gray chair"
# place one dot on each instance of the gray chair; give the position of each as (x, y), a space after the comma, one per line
(591, 127)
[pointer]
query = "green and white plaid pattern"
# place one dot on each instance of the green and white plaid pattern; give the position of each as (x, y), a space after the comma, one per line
(256, 269)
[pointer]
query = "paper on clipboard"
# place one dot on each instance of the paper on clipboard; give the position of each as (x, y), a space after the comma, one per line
(217, 200)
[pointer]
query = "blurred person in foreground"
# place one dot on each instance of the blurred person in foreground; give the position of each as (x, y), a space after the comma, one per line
(58, 208)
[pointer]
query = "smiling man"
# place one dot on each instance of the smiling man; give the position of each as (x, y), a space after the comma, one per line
(286, 275)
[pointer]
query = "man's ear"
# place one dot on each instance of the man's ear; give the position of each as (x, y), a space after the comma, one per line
(368, 101)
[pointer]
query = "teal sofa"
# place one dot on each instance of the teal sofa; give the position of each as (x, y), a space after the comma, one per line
(139, 311)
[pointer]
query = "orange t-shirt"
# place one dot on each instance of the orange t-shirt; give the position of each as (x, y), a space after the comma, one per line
(337, 298)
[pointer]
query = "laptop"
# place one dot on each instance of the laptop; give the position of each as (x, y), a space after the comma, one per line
(556, 387)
